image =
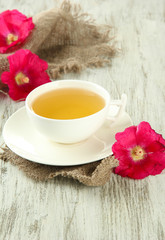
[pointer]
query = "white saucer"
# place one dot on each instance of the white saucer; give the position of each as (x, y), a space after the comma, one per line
(21, 137)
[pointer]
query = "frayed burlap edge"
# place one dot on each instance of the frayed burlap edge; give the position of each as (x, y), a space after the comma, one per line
(69, 40)
(92, 174)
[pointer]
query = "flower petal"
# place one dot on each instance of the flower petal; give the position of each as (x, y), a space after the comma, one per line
(25, 28)
(13, 16)
(131, 173)
(41, 79)
(161, 140)
(127, 138)
(122, 154)
(154, 147)
(145, 134)
(139, 173)
(18, 60)
(6, 77)
(35, 64)
(158, 160)
(16, 94)
(4, 28)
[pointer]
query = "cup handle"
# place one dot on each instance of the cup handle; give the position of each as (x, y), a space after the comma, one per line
(122, 104)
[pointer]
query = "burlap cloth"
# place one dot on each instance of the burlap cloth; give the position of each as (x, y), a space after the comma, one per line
(68, 40)
(91, 174)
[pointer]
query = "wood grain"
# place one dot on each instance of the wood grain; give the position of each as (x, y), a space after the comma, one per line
(123, 209)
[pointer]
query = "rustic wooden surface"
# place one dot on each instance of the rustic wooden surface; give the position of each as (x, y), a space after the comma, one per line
(123, 209)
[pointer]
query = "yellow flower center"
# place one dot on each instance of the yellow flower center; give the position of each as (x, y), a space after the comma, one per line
(21, 78)
(11, 38)
(137, 153)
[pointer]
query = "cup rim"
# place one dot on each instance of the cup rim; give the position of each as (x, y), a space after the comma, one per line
(107, 100)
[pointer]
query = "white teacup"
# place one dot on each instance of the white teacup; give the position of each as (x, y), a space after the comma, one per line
(72, 130)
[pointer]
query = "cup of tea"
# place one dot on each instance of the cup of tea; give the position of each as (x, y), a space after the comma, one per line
(70, 111)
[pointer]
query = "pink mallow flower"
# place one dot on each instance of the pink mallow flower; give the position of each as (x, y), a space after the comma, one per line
(15, 27)
(27, 71)
(140, 151)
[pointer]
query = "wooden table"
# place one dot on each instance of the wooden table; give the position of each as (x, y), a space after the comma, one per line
(123, 209)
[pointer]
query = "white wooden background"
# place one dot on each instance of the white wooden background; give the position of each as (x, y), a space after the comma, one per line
(123, 209)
